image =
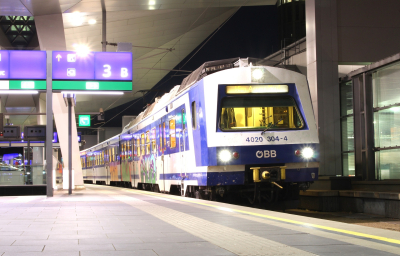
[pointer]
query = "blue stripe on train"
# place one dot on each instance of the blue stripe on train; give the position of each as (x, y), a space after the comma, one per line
(301, 175)
(104, 177)
(208, 178)
(237, 178)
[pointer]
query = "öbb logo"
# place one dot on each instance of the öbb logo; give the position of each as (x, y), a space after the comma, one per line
(265, 153)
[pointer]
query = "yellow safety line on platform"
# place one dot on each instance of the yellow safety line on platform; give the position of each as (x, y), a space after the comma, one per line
(191, 200)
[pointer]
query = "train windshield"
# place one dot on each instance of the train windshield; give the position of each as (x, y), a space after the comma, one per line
(260, 113)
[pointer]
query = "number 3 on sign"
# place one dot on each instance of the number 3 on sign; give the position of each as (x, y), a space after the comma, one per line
(107, 71)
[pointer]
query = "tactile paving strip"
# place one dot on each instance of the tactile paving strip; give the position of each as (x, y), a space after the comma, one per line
(235, 241)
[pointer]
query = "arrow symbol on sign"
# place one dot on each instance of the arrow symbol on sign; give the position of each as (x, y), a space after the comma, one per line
(58, 57)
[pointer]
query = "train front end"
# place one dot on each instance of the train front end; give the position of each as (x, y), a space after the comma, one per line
(263, 135)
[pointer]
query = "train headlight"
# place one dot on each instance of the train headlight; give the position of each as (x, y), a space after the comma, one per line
(307, 152)
(225, 155)
(257, 73)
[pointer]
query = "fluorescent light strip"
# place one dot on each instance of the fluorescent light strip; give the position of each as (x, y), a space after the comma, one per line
(18, 92)
(92, 92)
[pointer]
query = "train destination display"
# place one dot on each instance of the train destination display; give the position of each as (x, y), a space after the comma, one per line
(100, 71)
(22, 70)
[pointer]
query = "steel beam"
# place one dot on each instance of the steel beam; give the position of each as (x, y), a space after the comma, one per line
(49, 127)
(104, 26)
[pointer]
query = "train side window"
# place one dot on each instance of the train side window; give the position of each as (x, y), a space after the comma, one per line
(142, 145)
(147, 142)
(164, 138)
(123, 150)
(194, 115)
(137, 147)
(183, 119)
(160, 133)
(172, 135)
(153, 140)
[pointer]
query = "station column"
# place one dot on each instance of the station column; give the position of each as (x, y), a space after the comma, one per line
(322, 73)
(50, 30)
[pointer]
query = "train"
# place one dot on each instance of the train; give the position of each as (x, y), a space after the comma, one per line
(234, 129)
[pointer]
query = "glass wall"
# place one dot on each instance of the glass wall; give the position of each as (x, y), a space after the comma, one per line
(386, 96)
(22, 166)
(347, 126)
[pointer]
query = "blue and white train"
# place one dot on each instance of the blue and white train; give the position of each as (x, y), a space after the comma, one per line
(232, 129)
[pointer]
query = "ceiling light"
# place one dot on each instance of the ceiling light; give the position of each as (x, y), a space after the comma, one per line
(77, 19)
(92, 92)
(92, 21)
(18, 92)
(152, 2)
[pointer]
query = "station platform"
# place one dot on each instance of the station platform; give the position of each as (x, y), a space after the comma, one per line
(104, 220)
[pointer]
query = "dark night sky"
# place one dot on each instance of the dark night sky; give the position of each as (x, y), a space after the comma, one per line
(251, 32)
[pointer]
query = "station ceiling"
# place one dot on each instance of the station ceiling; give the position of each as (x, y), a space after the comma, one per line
(180, 25)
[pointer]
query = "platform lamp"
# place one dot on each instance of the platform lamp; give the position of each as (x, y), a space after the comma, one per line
(70, 101)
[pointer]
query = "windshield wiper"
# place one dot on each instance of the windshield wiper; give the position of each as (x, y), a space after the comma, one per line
(271, 124)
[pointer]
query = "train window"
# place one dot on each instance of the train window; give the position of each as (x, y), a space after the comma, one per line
(172, 136)
(127, 145)
(194, 115)
(138, 146)
(147, 142)
(132, 148)
(260, 113)
(183, 117)
(142, 145)
(153, 140)
(165, 138)
(123, 151)
(160, 133)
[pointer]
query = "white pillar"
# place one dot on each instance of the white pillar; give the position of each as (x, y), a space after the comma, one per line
(50, 30)
(322, 74)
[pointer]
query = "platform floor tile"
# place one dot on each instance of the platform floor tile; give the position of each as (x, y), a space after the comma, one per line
(117, 222)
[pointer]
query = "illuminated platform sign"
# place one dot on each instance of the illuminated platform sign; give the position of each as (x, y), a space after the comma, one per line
(94, 71)
(23, 70)
(84, 120)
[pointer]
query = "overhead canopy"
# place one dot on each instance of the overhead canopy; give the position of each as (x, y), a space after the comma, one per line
(180, 25)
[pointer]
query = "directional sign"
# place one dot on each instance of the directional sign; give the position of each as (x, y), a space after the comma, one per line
(28, 65)
(23, 65)
(4, 65)
(71, 66)
(113, 66)
(106, 66)
(84, 120)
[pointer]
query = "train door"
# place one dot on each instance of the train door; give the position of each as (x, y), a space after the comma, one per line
(160, 167)
(164, 150)
(181, 150)
(132, 161)
(182, 143)
(107, 166)
(94, 166)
